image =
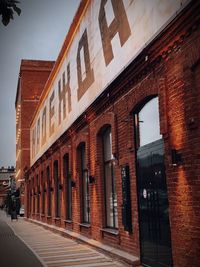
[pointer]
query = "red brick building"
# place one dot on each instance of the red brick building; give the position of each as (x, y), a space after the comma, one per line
(115, 139)
(32, 78)
(7, 176)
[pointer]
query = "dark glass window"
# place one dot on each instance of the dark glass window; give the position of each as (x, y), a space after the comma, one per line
(57, 191)
(49, 192)
(34, 201)
(109, 180)
(85, 184)
(68, 188)
(30, 199)
(43, 193)
(147, 123)
(38, 194)
(33, 195)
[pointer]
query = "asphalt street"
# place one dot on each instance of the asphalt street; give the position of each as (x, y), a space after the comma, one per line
(13, 251)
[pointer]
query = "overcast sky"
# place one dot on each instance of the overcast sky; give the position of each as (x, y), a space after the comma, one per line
(38, 33)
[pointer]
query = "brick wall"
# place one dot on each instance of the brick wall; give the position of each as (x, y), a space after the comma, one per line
(173, 74)
(182, 81)
(33, 76)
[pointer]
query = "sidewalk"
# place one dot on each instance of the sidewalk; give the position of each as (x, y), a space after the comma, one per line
(119, 255)
(54, 250)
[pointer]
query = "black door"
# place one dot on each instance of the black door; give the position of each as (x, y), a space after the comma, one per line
(155, 237)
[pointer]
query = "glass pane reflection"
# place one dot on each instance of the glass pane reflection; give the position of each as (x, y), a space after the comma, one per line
(149, 125)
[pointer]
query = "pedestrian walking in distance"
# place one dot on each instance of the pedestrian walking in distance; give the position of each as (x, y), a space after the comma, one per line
(13, 211)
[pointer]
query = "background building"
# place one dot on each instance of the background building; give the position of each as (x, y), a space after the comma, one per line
(32, 78)
(116, 134)
(7, 182)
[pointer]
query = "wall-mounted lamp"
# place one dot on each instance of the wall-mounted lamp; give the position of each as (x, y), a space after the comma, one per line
(51, 189)
(114, 156)
(91, 179)
(39, 192)
(73, 183)
(45, 190)
(176, 157)
(60, 187)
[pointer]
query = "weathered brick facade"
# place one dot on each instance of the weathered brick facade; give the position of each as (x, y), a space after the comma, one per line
(169, 68)
(32, 78)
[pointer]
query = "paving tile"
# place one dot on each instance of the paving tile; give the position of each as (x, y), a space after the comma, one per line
(57, 251)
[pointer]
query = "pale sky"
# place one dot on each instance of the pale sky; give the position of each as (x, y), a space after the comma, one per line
(38, 33)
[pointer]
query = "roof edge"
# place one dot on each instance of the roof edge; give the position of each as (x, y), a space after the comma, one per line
(65, 46)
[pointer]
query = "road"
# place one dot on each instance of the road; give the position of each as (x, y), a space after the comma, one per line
(13, 251)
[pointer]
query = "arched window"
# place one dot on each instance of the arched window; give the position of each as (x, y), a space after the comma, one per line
(38, 194)
(68, 188)
(49, 191)
(34, 200)
(57, 191)
(151, 187)
(33, 194)
(83, 173)
(109, 180)
(30, 198)
(43, 192)
(147, 123)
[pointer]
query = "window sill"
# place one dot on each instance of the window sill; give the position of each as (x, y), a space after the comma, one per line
(86, 225)
(68, 221)
(110, 231)
(57, 219)
(49, 216)
(42, 215)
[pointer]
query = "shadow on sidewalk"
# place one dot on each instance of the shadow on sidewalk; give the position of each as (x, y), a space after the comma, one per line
(14, 253)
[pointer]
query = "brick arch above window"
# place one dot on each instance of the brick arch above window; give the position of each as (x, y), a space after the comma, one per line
(66, 149)
(147, 89)
(56, 164)
(142, 103)
(97, 126)
(81, 137)
(78, 148)
(56, 156)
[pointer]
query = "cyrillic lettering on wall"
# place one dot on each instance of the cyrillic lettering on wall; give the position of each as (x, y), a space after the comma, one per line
(44, 124)
(33, 143)
(84, 84)
(119, 25)
(67, 88)
(62, 98)
(51, 114)
(62, 94)
(38, 135)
